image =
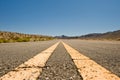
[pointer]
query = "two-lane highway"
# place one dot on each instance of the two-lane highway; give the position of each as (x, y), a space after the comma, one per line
(60, 60)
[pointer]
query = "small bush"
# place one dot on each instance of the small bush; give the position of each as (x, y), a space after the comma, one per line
(22, 39)
(19, 37)
(3, 41)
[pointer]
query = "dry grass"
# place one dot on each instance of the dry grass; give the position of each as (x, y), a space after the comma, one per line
(19, 37)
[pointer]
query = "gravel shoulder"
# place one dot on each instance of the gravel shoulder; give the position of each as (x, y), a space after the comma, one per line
(14, 54)
(105, 53)
(60, 66)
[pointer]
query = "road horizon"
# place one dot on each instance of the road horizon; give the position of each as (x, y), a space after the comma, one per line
(102, 53)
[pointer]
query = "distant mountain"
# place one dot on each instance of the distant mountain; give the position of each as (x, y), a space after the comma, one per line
(61, 37)
(114, 35)
(20, 37)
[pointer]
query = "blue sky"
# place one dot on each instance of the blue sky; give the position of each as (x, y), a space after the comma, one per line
(59, 17)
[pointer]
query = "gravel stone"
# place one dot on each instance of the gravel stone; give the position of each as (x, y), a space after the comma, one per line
(14, 54)
(105, 53)
(60, 66)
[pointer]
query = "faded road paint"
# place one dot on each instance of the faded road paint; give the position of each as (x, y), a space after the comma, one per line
(31, 69)
(88, 68)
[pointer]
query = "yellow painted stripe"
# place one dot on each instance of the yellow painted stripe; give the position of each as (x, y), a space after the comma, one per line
(32, 68)
(88, 68)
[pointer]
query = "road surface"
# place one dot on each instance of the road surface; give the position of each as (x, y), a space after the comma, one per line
(60, 66)
(59, 63)
(105, 53)
(14, 54)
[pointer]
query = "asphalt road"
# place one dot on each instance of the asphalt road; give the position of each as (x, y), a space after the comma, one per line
(105, 53)
(60, 66)
(14, 54)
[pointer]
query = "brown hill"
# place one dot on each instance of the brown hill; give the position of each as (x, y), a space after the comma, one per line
(115, 35)
(20, 37)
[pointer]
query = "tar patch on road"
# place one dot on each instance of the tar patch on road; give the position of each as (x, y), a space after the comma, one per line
(60, 66)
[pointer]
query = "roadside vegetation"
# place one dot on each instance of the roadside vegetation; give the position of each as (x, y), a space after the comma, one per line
(6, 37)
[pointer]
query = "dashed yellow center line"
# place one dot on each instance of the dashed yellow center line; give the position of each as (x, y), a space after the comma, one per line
(31, 69)
(88, 68)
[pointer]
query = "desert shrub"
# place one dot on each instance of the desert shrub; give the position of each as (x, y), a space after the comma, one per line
(25, 39)
(3, 40)
(19, 37)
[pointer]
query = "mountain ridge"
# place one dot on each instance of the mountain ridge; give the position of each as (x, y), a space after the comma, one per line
(113, 35)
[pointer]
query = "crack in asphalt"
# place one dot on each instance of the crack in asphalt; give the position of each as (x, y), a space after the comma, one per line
(60, 66)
